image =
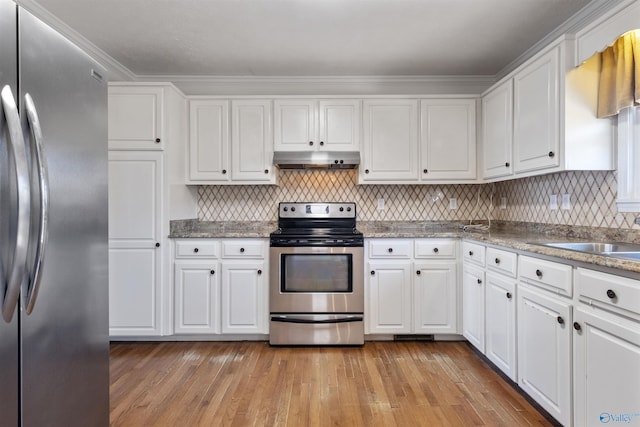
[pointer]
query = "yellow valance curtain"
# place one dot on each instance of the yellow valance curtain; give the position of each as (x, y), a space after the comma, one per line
(620, 75)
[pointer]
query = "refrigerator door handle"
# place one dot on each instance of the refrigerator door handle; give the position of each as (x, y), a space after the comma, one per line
(30, 294)
(23, 192)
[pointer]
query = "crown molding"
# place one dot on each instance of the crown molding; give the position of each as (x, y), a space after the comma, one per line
(116, 71)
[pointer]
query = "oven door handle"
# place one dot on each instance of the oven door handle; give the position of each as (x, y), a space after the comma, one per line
(288, 319)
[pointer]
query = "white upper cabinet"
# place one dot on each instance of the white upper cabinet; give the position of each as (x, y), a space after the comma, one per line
(310, 125)
(536, 124)
(497, 131)
(251, 142)
(448, 139)
(208, 140)
(390, 146)
(135, 118)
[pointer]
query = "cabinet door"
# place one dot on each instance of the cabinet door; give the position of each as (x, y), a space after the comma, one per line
(208, 140)
(544, 351)
(435, 297)
(135, 249)
(536, 131)
(389, 297)
(390, 145)
(448, 139)
(243, 297)
(135, 118)
(295, 126)
(251, 142)
(606, 369)
(497, 131)
(500, 322)
(197, 289)
(473, 306)
(340, 122)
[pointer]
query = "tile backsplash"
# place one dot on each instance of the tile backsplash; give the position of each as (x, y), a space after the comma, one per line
(592, 199)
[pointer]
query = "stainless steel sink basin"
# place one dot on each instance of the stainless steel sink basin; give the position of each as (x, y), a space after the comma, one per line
(617, 250)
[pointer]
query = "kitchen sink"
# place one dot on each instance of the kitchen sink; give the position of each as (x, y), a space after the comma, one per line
(617, 250)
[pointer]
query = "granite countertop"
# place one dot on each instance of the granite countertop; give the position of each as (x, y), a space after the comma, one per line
(525, 237)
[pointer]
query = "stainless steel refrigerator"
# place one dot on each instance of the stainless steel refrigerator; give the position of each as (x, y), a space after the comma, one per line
(54, 350)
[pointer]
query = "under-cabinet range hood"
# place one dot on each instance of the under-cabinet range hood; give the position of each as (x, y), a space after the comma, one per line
(316, 159)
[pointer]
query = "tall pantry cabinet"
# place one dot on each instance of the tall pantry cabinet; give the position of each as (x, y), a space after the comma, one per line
(146, 188)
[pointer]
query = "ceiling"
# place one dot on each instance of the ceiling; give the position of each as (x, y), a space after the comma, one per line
(313, 37)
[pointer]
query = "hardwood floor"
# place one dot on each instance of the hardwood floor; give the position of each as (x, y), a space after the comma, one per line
(409, 383)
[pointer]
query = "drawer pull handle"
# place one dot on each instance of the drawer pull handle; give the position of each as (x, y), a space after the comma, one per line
(259, 272)
(577, 326)
(539, 273)
(157, 140)
(373, 273)
(157, 244)
(366, 171)
(611, 294)
(470, 253)
(497, 260)
(435, 250)
(266, 171)
(479, 281)
(418, 272)
(213, 272)
(560, 320)
(196, 250)
(390, 250)
(310, 142)
(508, 295)
(241, 250)
(224, 171)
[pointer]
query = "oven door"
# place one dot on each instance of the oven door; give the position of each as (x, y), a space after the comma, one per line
(316, 280)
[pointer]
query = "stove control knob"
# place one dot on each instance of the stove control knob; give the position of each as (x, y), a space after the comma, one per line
(286, 209)
(293, 209)
(348, 209)
(341, 209)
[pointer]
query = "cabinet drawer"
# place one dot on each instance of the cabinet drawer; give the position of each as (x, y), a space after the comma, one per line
(390, 248)
(435, 248)
(546, 274)
(194, 248)
(613, 291)
(473, 252)
(243, 249)
(502, 261)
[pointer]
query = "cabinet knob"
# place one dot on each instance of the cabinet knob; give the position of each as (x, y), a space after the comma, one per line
(266, 171)
(310, 142)
(195, 250)
(560, 320)
(470, 253)
(366, 171)
(157, 244)
(611, 294)
(479, 281)
(259, 272)
(577, 326)
(157, 140)
(436, 250)
(539, 273)
(508, 295)
(213, 272)
(507, 164)
(241, 250)
(390, 250)
(373, 273)
(551, 154)
(497, 260)
(418, 272)
(425, 171)
(321, 142)
(224, 171)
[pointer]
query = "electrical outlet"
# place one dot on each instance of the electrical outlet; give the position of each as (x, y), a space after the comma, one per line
(380, 204)
(453, 203)
(503, 203)
(566, 202)
(553, 202)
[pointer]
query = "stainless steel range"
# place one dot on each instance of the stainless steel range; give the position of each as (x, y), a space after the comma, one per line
(316, 279)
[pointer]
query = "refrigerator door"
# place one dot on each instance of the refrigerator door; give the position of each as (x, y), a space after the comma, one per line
(9, 368)
(65, 370)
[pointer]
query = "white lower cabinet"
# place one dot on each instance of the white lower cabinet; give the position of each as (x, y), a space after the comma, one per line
(197, 303)
(412, 286)
(220, 286)
(500, 322)
(473, 305)
(544, 350)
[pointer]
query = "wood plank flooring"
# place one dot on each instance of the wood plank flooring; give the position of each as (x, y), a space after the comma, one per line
(409, 383)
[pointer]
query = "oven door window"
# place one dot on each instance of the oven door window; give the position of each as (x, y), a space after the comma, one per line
(316, 273)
